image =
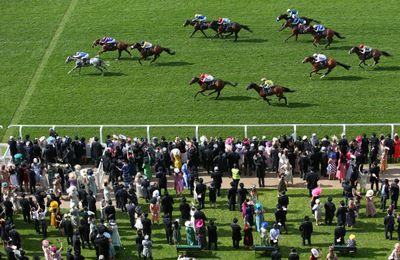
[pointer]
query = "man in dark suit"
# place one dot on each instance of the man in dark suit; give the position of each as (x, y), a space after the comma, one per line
(109, 211)
(306, 229)
(201, 193)
(236, 233)
(341, 214)
(232, 197)
(283, 199)
(312, 181)
(330, 209)
(96, 151)
(167, 204)
(394, 192)
(146, 222)
(388, 221)
(212, 235)
(339, 234)
(26, 208)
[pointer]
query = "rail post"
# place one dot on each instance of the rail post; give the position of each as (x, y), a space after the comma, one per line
(196, 132)
(20, 131)
(295, 132)
(148, 133)
(245, 131)
(101, 134)
(344, 129)
(392, 130)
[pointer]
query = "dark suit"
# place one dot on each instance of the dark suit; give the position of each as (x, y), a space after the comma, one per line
(236, 235)
(306, 229)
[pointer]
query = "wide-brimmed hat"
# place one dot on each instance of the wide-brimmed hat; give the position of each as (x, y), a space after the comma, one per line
(370, 193)
(315, 252)
(199, 223)
(187, 223)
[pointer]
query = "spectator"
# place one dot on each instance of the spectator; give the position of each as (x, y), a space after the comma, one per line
(212, 235)
(330, 209)
(236, 233)
(306, 229)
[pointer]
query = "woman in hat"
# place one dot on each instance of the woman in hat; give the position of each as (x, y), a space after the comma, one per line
(370, 210)
(190, 235)
(264, 233)
(147, 248)
(178, 182)
(384, 158)
(53, 210)
(331, 254)
(155, 210)
(351, 242)
(259, 212)
(342, 166)
(176, 232)
(317, 209)
(315, 254)
(248, 235)
(200, 233)
(351, 214)
(396, 154)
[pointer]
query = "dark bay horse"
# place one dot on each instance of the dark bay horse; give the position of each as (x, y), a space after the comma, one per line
(287, 18)
(217, 86)
(155, 51)
(375, 54)
(296, 30)
(198, 26)
(233, 28)
(119, 46)
(330, 64)
(328, 34)
(274, 90)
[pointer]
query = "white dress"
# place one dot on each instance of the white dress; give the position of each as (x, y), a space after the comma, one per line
(107, 194)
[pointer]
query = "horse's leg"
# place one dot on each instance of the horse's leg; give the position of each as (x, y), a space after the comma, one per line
(285, 100)
(376, 61)
(155, 57)
(314, 71)
(199, 92)
(205, 35)
(140, 59)
(330, 40)
(326, 73)
(195, 30)
(236, 36)
(266, 99)
(97, 67)
(119, 54)
(128, 52)
(212, 92)
(314, 42)
(218, 93)
(289, 37)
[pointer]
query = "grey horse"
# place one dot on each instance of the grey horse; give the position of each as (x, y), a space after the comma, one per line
(95, 62)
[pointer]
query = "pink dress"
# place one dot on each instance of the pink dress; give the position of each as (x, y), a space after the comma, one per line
(178, 183)
(370, 210)
(155, 212)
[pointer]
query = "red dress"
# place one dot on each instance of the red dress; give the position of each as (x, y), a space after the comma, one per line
(396, 148)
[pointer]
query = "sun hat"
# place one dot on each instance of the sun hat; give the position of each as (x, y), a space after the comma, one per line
(187, 223)
(315, 252)
(370, 193)
(199, 223)
(317, 201)
(316, 192)
(352, 236)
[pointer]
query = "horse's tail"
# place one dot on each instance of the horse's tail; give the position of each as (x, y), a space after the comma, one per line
(285, 89)
(386, 54)
(246, 28)
(347, 67)
(231, 84)
(338, 35)
(170, 52)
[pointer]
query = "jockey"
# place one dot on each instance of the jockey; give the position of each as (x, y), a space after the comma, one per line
(223, 23)
(266, 84)
(365, 50)
(108, 40)
(83, 56)
(146, 45)
(206, 79)
(320, 58)
(319, 29)
(199, 18)
(298, 21)
(293, 13)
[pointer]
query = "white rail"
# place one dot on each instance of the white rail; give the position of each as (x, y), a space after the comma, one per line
(197, 127)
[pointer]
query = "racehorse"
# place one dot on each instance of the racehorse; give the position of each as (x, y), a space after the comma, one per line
(217, 86)
(296, 30)
(119, 46)
(198, 26)
(274, 90)
(288, 18)
(330, 64)
(153, 51)
(95, 62)
(233, 28)
(374, 54)
(327, 34)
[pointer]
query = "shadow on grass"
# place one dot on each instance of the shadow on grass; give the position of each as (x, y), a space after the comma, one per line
(345, 47)
(346, 78)
(106, 74)
(388, 68)
(237, 98)
(294, 105)
(251, 40)
(174, 64)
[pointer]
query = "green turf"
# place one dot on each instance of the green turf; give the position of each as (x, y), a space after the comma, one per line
(159, 93)
(369, 231)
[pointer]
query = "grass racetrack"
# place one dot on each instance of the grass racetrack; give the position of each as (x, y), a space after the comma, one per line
(159, 93)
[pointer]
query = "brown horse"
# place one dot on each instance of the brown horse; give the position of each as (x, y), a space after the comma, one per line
(119, 46)
(296, 30)
(374, 54)
(153, 51)
(217, 86)
(274, 90)
(328, 34)
(198, 26)
(233, 28)
(330, 64)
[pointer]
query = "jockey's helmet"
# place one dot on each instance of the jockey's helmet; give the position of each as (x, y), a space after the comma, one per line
(315, 55)
(361, 46)
(288, 10)
(263, 80)
(220, 20)
(141, 42)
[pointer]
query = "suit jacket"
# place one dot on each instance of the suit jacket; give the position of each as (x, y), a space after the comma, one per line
(236, 232)
(306, 229)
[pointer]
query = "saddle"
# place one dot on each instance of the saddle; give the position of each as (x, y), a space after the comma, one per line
(148, 51)
(267, 90)
(209, 84)
(323, 64)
